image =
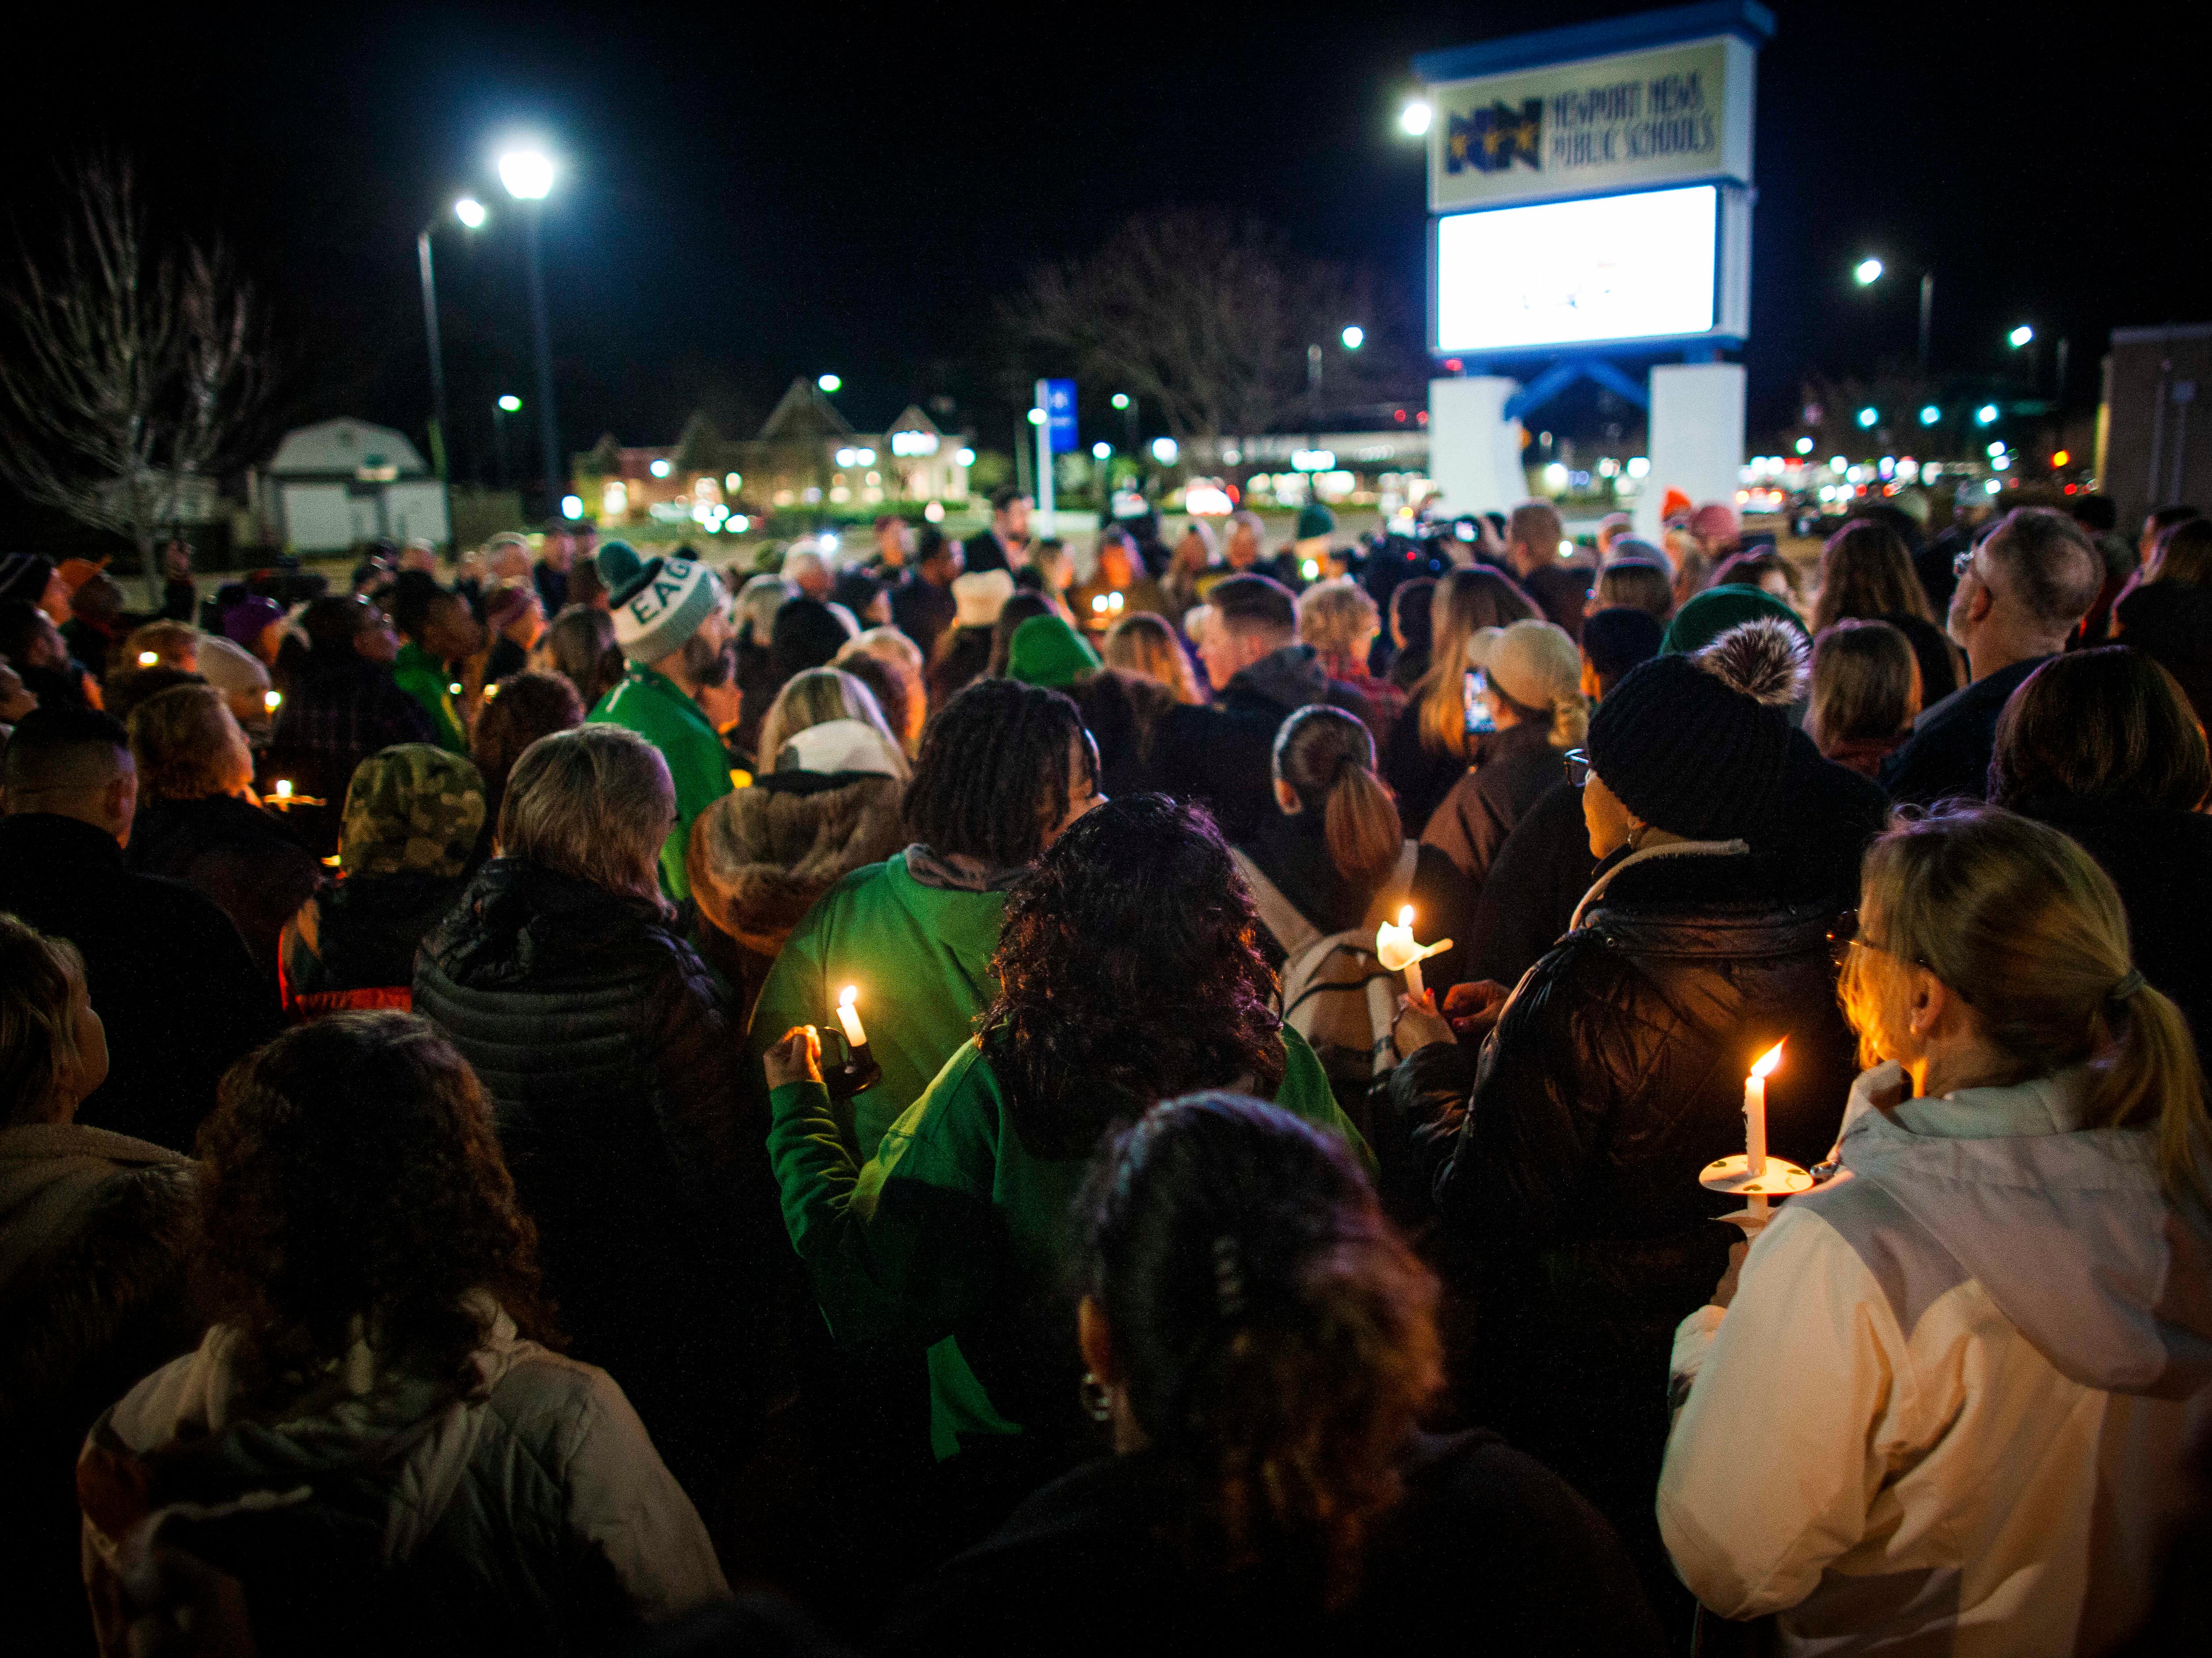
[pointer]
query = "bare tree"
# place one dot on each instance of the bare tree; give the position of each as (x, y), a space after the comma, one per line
(134, 372)
(1207, 319)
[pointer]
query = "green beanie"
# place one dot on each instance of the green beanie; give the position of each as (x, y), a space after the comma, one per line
(1315, 521)
(1048, 653)
(1716, 610)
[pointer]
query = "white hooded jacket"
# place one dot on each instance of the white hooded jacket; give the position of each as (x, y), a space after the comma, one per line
(1948, 1408)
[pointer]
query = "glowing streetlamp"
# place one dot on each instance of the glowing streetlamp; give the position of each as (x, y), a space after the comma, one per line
(1867, 271)
(1354, 336)
(2021, 335)
(828, 382)
(1413, 119)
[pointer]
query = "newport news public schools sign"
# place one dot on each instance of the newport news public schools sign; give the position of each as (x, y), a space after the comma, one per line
(1628, 122)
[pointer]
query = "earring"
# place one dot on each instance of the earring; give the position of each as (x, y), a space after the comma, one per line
(1098, 1400)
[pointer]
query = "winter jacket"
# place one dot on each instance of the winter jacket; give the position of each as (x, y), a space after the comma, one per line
(2171, 622)
(424, 678)
(1087, 1565)
(93, 1229)
(1418, 775)
(2161, 859)
(168, 973)
(655, 706)
(1219, 754)
(1947, 756)
(922, 610)
(1513, 770)
(918, 953)
(379, 1513)
(237, 854)
(1124, 713)
(610, 1054)
(955, 1237)
(1981, 1353)
(352, 945)
(1569, 1182)
(761, 857)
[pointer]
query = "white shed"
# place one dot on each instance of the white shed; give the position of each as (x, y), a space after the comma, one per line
(342, 482)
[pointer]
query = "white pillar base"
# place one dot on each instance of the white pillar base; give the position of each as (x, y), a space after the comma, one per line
(1696, 437)
(1475, 451)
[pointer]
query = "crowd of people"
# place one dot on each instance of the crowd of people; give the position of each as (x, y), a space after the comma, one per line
(581, 1101)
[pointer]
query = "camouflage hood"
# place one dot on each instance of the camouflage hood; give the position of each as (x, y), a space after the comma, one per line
(413, 808)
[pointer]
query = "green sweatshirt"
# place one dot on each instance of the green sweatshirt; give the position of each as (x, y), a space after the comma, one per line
(655, 706)
(423, 678)
(952, 1221)
(921, 956)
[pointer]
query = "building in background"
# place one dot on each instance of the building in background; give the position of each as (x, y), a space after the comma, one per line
(338, 482)
(2154, 444)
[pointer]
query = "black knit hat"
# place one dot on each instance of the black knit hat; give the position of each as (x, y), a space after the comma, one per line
(1696, 745)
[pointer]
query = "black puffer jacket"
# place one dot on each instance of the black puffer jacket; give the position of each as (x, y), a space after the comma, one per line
(609, 1055)
(1568, 1183)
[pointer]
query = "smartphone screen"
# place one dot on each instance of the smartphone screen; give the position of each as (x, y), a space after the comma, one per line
(1478, 711)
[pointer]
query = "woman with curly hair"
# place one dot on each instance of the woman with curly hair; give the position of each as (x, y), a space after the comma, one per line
(1263, 1344)
(374, 1437)
(1128, 970)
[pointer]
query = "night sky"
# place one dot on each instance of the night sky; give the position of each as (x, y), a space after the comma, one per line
(751, 192)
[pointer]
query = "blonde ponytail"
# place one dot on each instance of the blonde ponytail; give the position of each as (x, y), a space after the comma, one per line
(2154, 1078)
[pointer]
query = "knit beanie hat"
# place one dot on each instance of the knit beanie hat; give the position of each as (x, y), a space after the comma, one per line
(1636, 547)
(1315, 520)
(1535, 663)
(1698, 746)
(808, 633)
(980, 595)
(244, 623)
(1716, 610)
(1620, 637)
(1046, 652)
(412, 809)
(658, 603)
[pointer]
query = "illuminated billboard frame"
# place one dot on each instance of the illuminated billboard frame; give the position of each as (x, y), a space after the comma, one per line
(1728, 316)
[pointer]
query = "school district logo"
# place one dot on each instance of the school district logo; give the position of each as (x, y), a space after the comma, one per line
(1490, 140)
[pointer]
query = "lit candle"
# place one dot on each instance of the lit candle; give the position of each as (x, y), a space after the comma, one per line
(272, 700)
(1395, 949)
(147, 658)
(1755, 1111)
(283, 788)
(849, 1018)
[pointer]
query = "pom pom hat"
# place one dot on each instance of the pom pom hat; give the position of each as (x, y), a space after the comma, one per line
(657, 603)
(1698, 746)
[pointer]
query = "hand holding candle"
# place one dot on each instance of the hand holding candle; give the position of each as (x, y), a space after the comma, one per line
(1395, 949)
(1755, 1177)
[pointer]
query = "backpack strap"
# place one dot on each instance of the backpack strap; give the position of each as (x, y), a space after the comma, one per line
(1397, 889)
(1292, 930)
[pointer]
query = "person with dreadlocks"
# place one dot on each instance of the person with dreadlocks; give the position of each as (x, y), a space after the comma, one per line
(1130, 970)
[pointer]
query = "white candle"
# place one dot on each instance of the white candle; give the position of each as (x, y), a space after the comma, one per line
(1395, 949)
(1755, 1112)
(283, 788)
(849, 1017)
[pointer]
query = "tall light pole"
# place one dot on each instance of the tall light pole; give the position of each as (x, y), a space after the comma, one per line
(1869, 271)
(528, 176)
(469, 211)
(507, 405)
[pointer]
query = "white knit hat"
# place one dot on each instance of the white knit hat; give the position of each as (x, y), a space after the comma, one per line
(980, 596)
(1535, 663)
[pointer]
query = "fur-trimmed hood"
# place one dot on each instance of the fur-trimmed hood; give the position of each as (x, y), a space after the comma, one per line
(761, 857)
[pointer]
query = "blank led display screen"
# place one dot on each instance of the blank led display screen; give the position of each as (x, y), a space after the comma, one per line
(1607, 268)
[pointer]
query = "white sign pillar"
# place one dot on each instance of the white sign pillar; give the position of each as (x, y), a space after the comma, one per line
(1474, 450)
(1695, 441)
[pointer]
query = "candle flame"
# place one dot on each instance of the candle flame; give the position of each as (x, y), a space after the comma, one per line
(1405, 916)
(284, 786)
(271, 700)
(1765, 1065)
(848, 995)
(147, 658)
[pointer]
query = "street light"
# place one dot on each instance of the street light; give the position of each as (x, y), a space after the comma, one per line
(1868, 417)
(2021, 335)
(508, 403)
(1804, 446)
(1868, 272)
(1986, 415)
(828, 382)
(1930, 413)
(1414, 118)
(528, 176)
(1354, 338)
(1102, 450)
(1121, 399)
(469, 211)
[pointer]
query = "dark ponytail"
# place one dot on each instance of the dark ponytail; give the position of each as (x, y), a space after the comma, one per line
(1277, 1338)
(1328, 757)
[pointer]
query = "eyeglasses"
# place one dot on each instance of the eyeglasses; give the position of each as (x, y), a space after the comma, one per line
(1962, 565)
(1844, 938)
(1578, 767)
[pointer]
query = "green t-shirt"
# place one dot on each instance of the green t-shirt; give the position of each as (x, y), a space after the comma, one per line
(954, 1218)
(921, 956)
(423, 678)
(655, 708)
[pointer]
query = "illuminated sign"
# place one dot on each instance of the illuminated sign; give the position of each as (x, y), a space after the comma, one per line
(1662, 263)
(1628, 121)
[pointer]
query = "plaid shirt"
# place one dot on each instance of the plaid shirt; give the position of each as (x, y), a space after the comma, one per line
(332, 721)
